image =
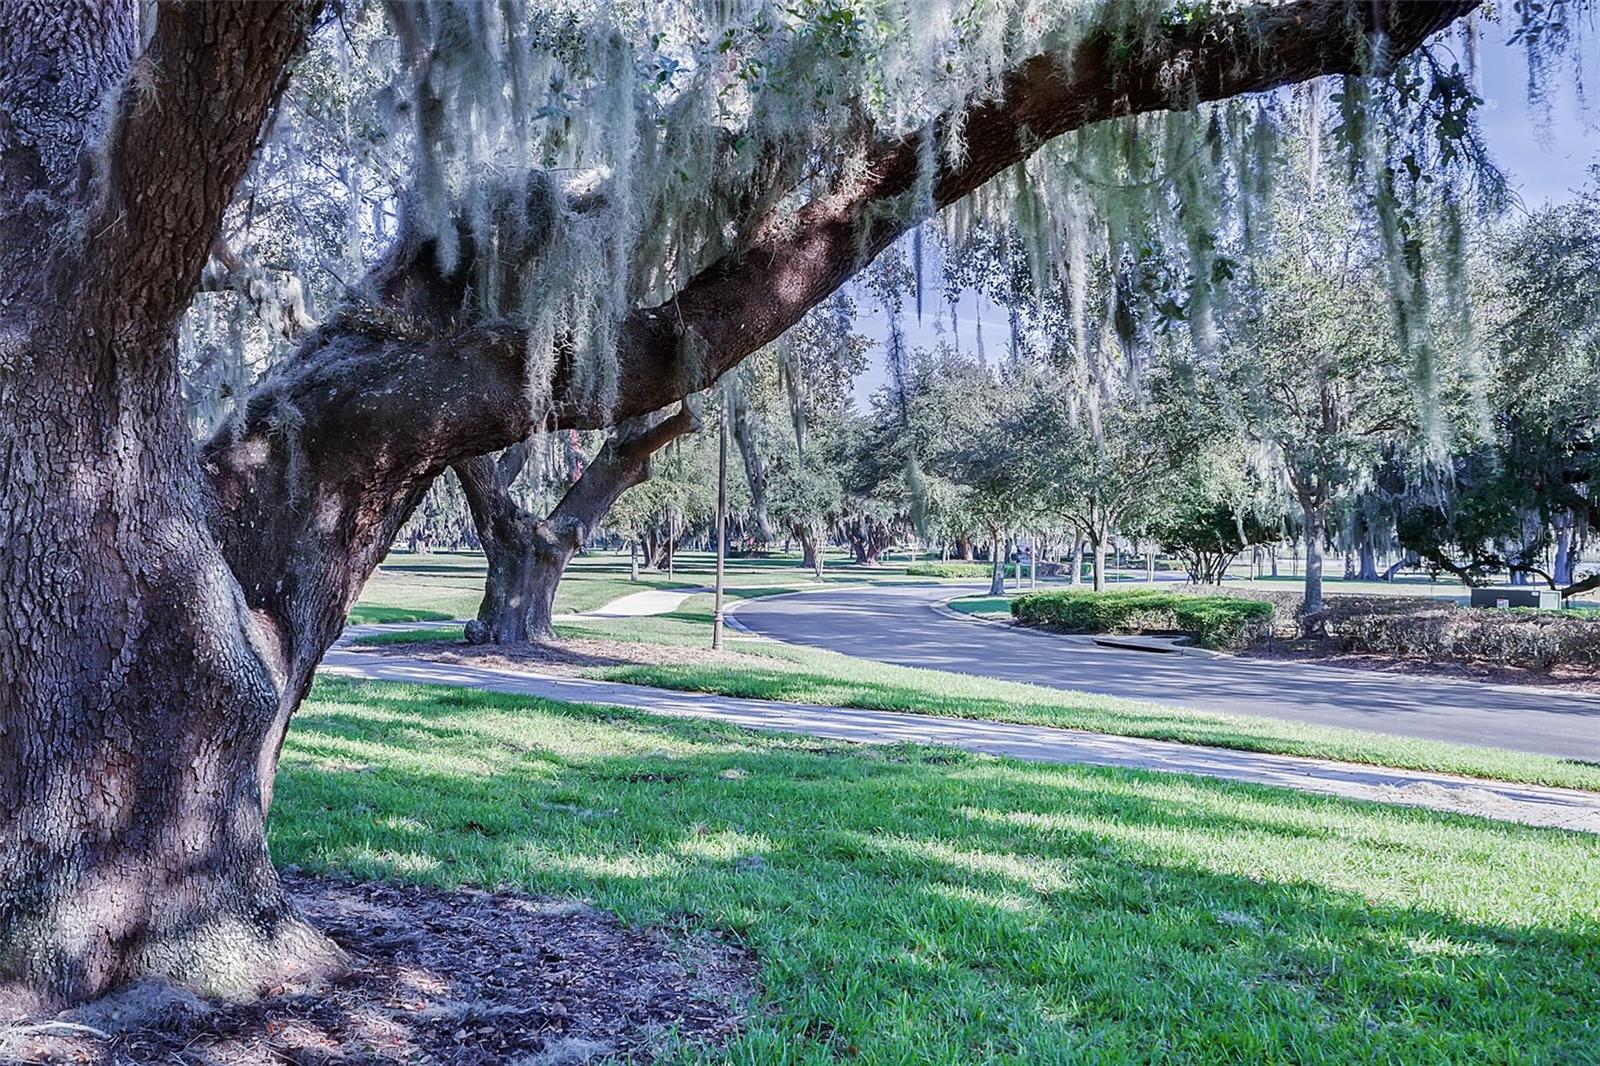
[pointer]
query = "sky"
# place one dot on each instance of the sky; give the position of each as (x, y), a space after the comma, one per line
(1545, 162)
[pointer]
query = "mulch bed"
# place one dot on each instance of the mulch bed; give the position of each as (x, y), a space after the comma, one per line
(1327, 653)
(460, 977)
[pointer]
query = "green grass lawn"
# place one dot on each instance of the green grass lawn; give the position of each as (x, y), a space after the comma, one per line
(409, 587)
(365, 613)
(982, 606)
(913, 905)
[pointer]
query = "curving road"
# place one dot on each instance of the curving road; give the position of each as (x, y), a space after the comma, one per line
(898, 624)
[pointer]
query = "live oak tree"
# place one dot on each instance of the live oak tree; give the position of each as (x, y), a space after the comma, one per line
(164, 603)
(1312, 362)
(1522, 485)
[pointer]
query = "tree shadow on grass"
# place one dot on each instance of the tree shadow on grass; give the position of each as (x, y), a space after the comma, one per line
(908, 903)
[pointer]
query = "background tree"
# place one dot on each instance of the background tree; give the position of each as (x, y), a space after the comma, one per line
(1316, 375)
(1519, 494)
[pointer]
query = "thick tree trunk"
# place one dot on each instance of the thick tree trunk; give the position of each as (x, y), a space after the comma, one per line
(1098, 544)
(527, 555)
(810, 549)
(1077, 560)
(141, 694)
(964, 548)
(1562, 571)
(1368, 570)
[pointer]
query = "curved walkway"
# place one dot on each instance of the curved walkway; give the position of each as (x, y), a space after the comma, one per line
(1528, 804)
(650, 601)
(898, 624)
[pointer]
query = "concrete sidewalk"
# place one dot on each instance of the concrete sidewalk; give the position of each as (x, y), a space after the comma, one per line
(1527, 804)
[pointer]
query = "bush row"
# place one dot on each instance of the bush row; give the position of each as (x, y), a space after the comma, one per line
(1212, 621)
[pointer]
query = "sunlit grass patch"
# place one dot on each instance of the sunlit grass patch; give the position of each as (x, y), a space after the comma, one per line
(914, 905)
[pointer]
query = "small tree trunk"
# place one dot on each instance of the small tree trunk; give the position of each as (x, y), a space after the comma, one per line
(1315, 519)
(997, 573)
(1563, 561)
(1099, 545)
(810, 552)
(1368, 569)
(1077, 560)
(1150, 563)
(633, 560)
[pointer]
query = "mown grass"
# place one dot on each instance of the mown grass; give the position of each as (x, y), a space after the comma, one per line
(815, 676)
(982, 606)
(914, 905)
(366, 613)
(806, 675)
(409, 587)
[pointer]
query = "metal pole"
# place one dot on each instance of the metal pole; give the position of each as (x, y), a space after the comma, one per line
(722, 522)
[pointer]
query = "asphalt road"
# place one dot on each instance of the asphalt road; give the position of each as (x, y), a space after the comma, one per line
(898, 624)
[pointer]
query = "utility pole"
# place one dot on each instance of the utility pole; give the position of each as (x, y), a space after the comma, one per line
(722, 520)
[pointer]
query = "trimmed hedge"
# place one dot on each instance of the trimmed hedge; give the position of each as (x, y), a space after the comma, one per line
(1213, 621)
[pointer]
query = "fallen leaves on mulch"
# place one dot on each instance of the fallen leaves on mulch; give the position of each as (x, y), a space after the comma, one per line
(1326, 653)
(462, 977)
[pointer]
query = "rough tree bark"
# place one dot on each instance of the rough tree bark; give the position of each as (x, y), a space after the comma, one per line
(1368, 570)
(1315, 532)
(811, 546)
(163, 606)
(140, 691)
(527, 554)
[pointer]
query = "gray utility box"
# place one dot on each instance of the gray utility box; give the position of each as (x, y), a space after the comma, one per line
(1518, 596)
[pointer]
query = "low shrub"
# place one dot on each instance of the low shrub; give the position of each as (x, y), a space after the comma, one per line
(1212, 621)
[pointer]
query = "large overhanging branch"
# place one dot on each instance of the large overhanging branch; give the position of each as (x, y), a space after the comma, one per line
(745, 301)
(389, 393)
